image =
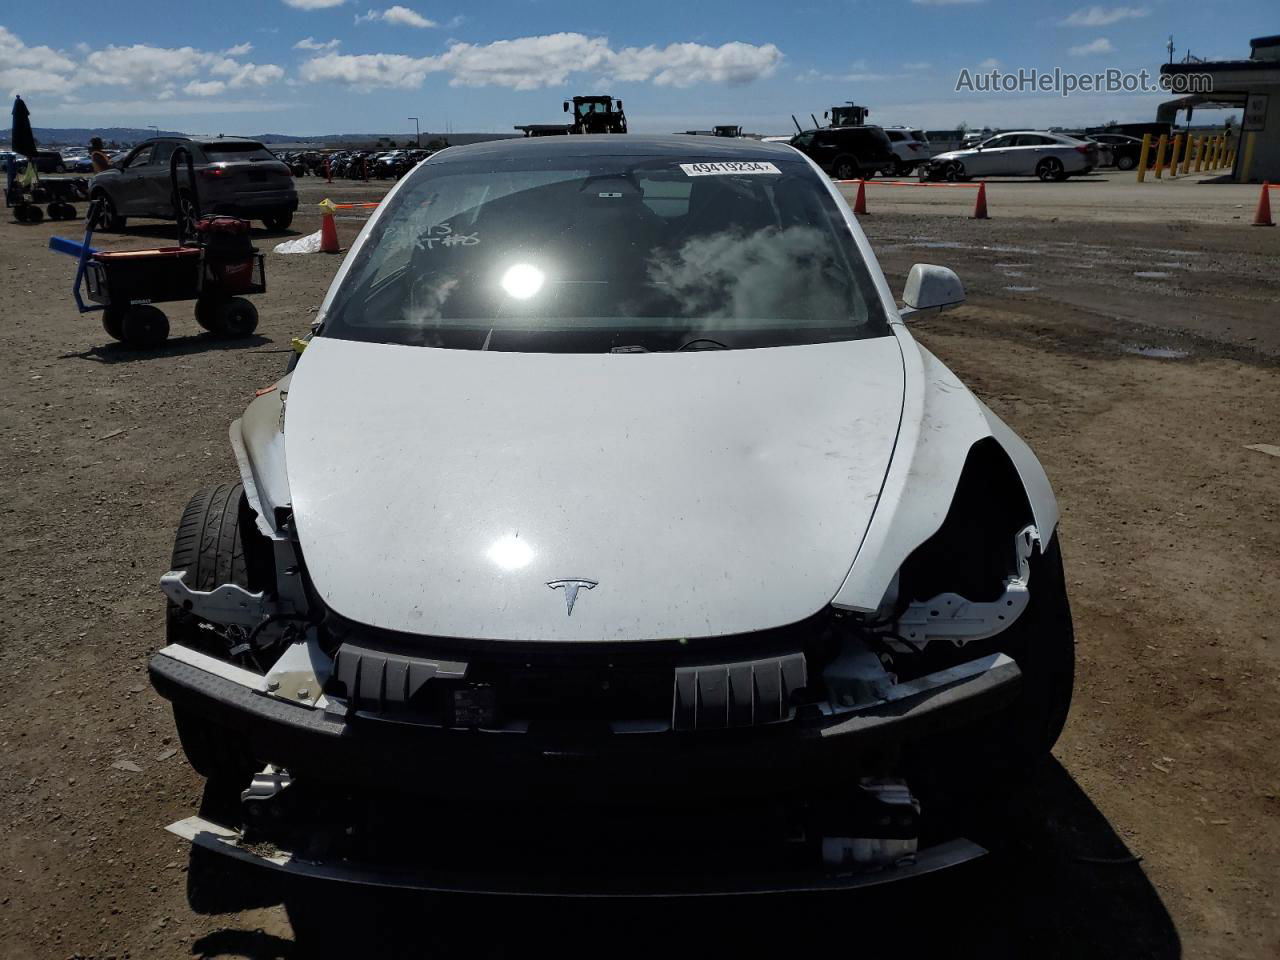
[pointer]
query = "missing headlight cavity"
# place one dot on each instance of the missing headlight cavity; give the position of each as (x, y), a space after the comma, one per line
(973, 552)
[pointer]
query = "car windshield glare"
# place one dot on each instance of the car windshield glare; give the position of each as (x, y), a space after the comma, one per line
(599, 253)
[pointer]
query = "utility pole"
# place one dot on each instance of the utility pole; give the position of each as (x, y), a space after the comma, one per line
(1170, 46)
(417, 133)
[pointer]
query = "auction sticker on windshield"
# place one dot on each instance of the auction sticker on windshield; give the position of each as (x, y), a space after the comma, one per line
(727, 168)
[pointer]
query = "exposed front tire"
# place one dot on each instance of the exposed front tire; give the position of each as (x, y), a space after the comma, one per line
(216, 543)
(1126, 163)
(1019, 736)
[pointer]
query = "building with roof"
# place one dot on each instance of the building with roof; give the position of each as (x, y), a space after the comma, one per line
(1252, 85)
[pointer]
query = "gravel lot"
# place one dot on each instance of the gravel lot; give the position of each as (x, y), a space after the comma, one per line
(1138, 359)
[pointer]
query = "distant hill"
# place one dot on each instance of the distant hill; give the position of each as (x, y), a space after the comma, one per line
(80, 136)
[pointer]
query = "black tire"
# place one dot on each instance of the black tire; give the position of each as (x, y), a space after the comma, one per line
(278, 223)
(145, 326)
(20, 212)
(1050, 168)
(68, 211)
(113, 323)
(34, 214)
(1018, 737)
(207, 314)
(1126, 162)
(236, 318)
(846, 168)
(954, 172)
(109, 221)
(187, 215)
(216, 543)
(901, 169)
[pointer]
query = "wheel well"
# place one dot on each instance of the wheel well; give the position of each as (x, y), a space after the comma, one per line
(973, 551)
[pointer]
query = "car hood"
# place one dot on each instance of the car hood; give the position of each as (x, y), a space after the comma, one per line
(953, 155)
(440, 492)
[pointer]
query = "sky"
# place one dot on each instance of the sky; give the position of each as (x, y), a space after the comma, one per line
(345, 66)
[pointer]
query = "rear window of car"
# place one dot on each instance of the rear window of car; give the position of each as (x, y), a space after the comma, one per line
(592, 254)
(236, 150)
(896, 135)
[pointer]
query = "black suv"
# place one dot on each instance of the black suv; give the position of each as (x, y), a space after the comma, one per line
(234, 176)
(847, 153)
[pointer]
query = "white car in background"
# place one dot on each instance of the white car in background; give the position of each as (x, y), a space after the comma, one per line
(1021, 153)
(911, 147)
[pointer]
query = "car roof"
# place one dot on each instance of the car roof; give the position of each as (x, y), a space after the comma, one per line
(621, 145)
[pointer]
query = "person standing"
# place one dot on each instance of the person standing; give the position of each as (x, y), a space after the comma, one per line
(98, 155)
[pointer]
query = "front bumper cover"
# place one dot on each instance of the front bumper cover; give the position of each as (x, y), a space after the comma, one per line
(325, 745)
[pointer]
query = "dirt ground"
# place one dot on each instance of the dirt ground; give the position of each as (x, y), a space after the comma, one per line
(1138, 359)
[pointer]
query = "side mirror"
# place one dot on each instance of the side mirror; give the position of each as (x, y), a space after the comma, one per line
(931, 287)
(566, 106)
(619, 106)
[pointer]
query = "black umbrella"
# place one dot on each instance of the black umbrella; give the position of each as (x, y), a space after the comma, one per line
(23, 140)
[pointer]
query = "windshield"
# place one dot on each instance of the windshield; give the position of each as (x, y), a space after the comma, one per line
(591, 254)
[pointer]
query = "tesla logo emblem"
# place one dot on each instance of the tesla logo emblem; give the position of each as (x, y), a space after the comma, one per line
(571, 588)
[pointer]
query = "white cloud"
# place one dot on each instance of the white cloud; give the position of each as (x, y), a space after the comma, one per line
(368, 70)
(26, 69)
(1103, 16)
(145, 67)
(1101, 45)
(313, 4)
(529, 63)
(239, 50)
(989, 64)
(525, 63)
(918, 65)
(204, 88)
(397, 16)
(311, 43)
(687, 64)
(404, 17)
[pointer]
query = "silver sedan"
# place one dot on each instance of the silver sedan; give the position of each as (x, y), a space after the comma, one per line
(1023, 153)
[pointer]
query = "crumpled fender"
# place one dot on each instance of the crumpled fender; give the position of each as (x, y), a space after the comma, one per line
(941, 420)
(257, 439)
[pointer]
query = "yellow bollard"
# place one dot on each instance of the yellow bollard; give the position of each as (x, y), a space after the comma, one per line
(1199, 153)
(1246, 163)
(1177, 153)
(1186, 156)
(1217, 151)
(1160, 145)
(1142, 157)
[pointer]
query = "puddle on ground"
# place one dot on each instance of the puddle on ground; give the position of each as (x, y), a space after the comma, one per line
(939, 244)
(1010, 266)
(1174, 265)
(1022, 289)
(1159, 353)
(1013, 273)
(1151, 274)
(1002, 248)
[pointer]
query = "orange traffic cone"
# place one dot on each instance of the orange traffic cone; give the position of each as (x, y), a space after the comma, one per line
(980, 205)
(1263, 217)
(860, 201)
(328, 229)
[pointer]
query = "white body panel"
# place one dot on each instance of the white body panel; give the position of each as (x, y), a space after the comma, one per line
(438, 491)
